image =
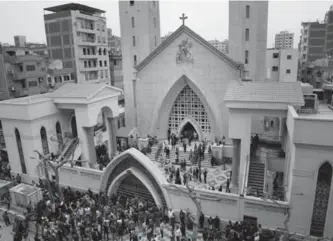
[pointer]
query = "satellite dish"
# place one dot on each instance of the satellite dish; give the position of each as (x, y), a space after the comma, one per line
(56, 64)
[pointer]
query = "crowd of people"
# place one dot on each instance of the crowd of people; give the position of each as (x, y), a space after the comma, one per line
(83, 216)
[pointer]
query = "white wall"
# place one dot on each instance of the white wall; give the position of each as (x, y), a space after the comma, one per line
(283, 63)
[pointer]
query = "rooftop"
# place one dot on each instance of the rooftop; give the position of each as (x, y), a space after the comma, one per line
(274, 92)
(25, 189)
(72, 90)
(74, 7)
(324, 113)
(27, 100)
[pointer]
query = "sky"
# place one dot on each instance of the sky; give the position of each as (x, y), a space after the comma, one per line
(208, 18)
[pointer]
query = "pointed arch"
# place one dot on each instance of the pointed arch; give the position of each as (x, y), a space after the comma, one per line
(142, 167)
(160, 120)
(20, 151)
(194, 123)
(321, 200)
(59, 132)
(45, 143)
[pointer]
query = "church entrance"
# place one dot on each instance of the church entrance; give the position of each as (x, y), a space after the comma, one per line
(321, 200)
(131, 186)
(189, 106)
(189, 132)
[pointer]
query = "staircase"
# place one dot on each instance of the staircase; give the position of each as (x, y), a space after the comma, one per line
(256, 178)
(69, 149)
(182, 155)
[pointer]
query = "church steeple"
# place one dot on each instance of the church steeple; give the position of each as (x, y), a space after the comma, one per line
(140, 35)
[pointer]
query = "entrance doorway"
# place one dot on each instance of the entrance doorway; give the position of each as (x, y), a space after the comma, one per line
(189, 132)
(132, 187)
(321, 200)
(73, 125)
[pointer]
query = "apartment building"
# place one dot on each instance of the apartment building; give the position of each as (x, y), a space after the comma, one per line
(282, 65)
(222, 46)
(329, 32)
(77, 35)
(20, 41)
(284, 40)
(22, 73)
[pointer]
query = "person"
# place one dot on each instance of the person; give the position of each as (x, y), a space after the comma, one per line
(6, 218)
(178, 233)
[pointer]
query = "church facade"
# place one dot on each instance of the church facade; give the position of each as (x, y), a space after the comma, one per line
(180, 86)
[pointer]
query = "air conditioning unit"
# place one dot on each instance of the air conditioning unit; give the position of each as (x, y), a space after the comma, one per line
(311, 104)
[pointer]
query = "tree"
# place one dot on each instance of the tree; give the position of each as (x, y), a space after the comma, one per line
(46, 163)
(195, 219)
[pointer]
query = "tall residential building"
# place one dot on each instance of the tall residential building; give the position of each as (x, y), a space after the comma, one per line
(22, 73)
(284, 40)
(222, 46)
(20, 41)
(282, 65)
(329, 32)
(311, 46)
(77, 35)
(114, 43)
(248, 36)
(140, 35)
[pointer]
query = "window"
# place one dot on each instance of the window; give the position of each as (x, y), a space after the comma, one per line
(246, 56)
(133, 22)
(134, 41)
(275, 68)
(305, 40)
(43, 137)
(100, 63)
(275, 55)
(131, 3)
(247, 11)
(99, 51)
(105, 63)
(247, 34)
(288, 71)
(84, 51)
(88, 51)
(154, 22)
(20, 151)
(33, 83)
(30, 68)
(306, 31)
(85, 64)
(155, 41)
(114, 62)
(40, 79)
(102, 74)
(103, 28)
(66, 77)
(58, 79)
(134, 60)
(49, 80)
(24, 84)
(104, 51)
(104, 40)
(288, 56)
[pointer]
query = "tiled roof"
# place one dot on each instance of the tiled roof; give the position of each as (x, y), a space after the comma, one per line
(274, 92)
(71, 90)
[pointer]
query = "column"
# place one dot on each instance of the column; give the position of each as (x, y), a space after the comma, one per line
(235, 162)
(244, 163)
(86, 137)
(112, 126)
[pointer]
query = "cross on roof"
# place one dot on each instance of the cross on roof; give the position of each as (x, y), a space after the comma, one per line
(183, 18)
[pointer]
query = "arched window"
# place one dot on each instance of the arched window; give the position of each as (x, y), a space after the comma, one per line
(321, 202)
(20, 151)
(59, 132)
(45, 144)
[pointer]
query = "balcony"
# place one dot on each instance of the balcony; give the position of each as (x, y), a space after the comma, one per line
(28, 74)
(23, 58)
(88, 56)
